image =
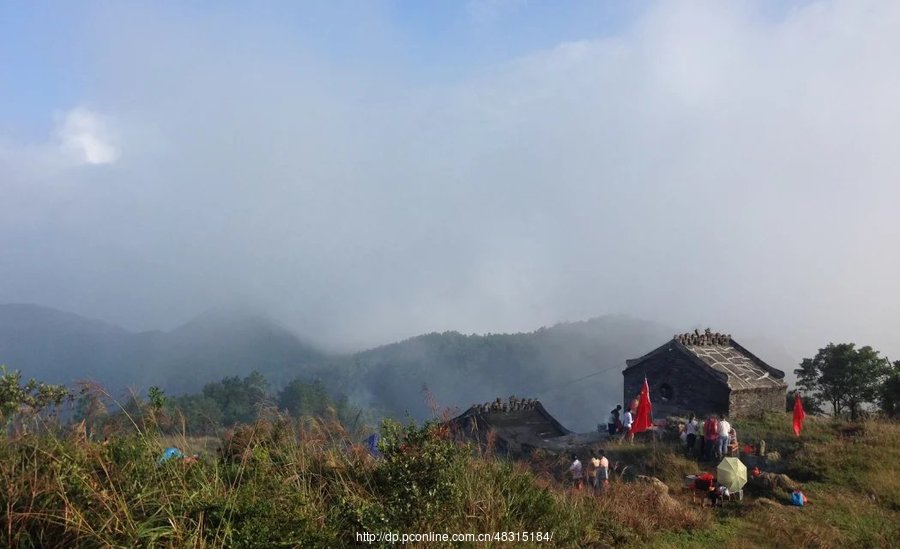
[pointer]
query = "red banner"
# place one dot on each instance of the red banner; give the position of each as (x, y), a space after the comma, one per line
(798, 414)
(643, 418)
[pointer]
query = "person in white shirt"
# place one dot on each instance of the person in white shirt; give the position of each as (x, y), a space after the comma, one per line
(724, 430)
(576, 472)
(691, 430)
(602, 471)
(627, 420)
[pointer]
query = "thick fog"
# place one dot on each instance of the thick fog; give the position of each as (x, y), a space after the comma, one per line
(364, 178)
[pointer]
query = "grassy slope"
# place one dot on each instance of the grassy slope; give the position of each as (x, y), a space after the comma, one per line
(850, 473)
(284, 483)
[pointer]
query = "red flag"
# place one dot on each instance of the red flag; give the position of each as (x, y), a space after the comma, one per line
(798, 414)
(643, 419)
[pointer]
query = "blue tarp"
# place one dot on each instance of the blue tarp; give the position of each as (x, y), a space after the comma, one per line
(372, 444)
(170, 453)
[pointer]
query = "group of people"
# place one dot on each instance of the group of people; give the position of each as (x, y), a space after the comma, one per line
(717, 437)
(619, 423)
(597, 471)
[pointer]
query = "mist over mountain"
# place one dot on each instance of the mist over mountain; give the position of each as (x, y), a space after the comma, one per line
(460, 370)
(574, 367)
(62, 347)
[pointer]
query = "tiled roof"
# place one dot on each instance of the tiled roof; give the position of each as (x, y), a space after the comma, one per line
(516, 419)
(742, 369)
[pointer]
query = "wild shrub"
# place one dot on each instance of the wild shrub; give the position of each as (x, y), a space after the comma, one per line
(417, 476)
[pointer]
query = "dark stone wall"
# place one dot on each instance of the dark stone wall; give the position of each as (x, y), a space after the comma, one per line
(753, 402)
(692, 388)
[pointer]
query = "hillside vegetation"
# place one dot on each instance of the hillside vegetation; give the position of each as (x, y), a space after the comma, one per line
(283, 482)
(850, 473)
(458, 370)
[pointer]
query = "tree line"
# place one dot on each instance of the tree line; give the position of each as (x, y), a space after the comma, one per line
(222, 404)
(234, 401)
(841, 379)
(849, 380)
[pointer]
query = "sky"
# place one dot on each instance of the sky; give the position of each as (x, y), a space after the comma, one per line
(368, 171)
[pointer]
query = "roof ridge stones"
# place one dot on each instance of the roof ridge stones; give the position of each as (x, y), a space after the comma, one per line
(512, 404)
(707, 338)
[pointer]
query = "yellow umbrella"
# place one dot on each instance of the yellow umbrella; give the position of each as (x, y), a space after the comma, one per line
(732, 474)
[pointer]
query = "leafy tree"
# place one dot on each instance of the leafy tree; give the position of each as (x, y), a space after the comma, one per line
(157, 398)
(811, 404)
(30, 398)
(223, 403)
(202, 415)
(302, 398)
(889, 397)
(238, 399)
(312, 399)
(844, 376)
(90, 408)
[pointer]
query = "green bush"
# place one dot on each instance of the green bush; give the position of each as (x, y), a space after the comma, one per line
(417, 476)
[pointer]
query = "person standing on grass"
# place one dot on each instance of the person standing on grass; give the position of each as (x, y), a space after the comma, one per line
(691, 431)
(733, 443)
(593, 469)
(627, 420)
(576, 472)
(724, 432)
(711, 436)
(612, 421)
(602, 472)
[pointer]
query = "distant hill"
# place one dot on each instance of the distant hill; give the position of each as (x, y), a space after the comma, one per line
(58, 346)
(552, 364)
(61, 347)
(460, 370)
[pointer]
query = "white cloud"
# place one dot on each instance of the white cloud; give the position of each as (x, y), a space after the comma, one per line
(87, 137)
(80, 137)
(706, 165)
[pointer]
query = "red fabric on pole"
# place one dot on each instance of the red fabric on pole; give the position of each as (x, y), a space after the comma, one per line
(643, 419)
(798, 415)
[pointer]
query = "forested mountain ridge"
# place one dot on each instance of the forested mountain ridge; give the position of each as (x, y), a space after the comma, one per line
(450, 370)
(62, 347)
(460, 370)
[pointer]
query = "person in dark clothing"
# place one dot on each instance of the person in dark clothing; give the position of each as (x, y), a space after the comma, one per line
(613, 421)
(711, 434)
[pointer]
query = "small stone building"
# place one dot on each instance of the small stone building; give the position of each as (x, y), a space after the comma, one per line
(516, 427)
(705, 373)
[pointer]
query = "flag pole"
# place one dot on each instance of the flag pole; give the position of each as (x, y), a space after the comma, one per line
(656, 467)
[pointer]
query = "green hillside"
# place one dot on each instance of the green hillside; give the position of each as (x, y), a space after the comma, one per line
(308, 483)
(460, 370)
(456, 369)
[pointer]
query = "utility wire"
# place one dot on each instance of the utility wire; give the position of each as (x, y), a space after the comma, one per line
(573, 381)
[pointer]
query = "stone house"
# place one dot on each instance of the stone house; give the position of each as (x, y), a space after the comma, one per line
(516, 427)
(705, 373)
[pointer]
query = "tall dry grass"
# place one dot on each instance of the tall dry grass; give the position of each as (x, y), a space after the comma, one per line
(307, 482)
(288, 482)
